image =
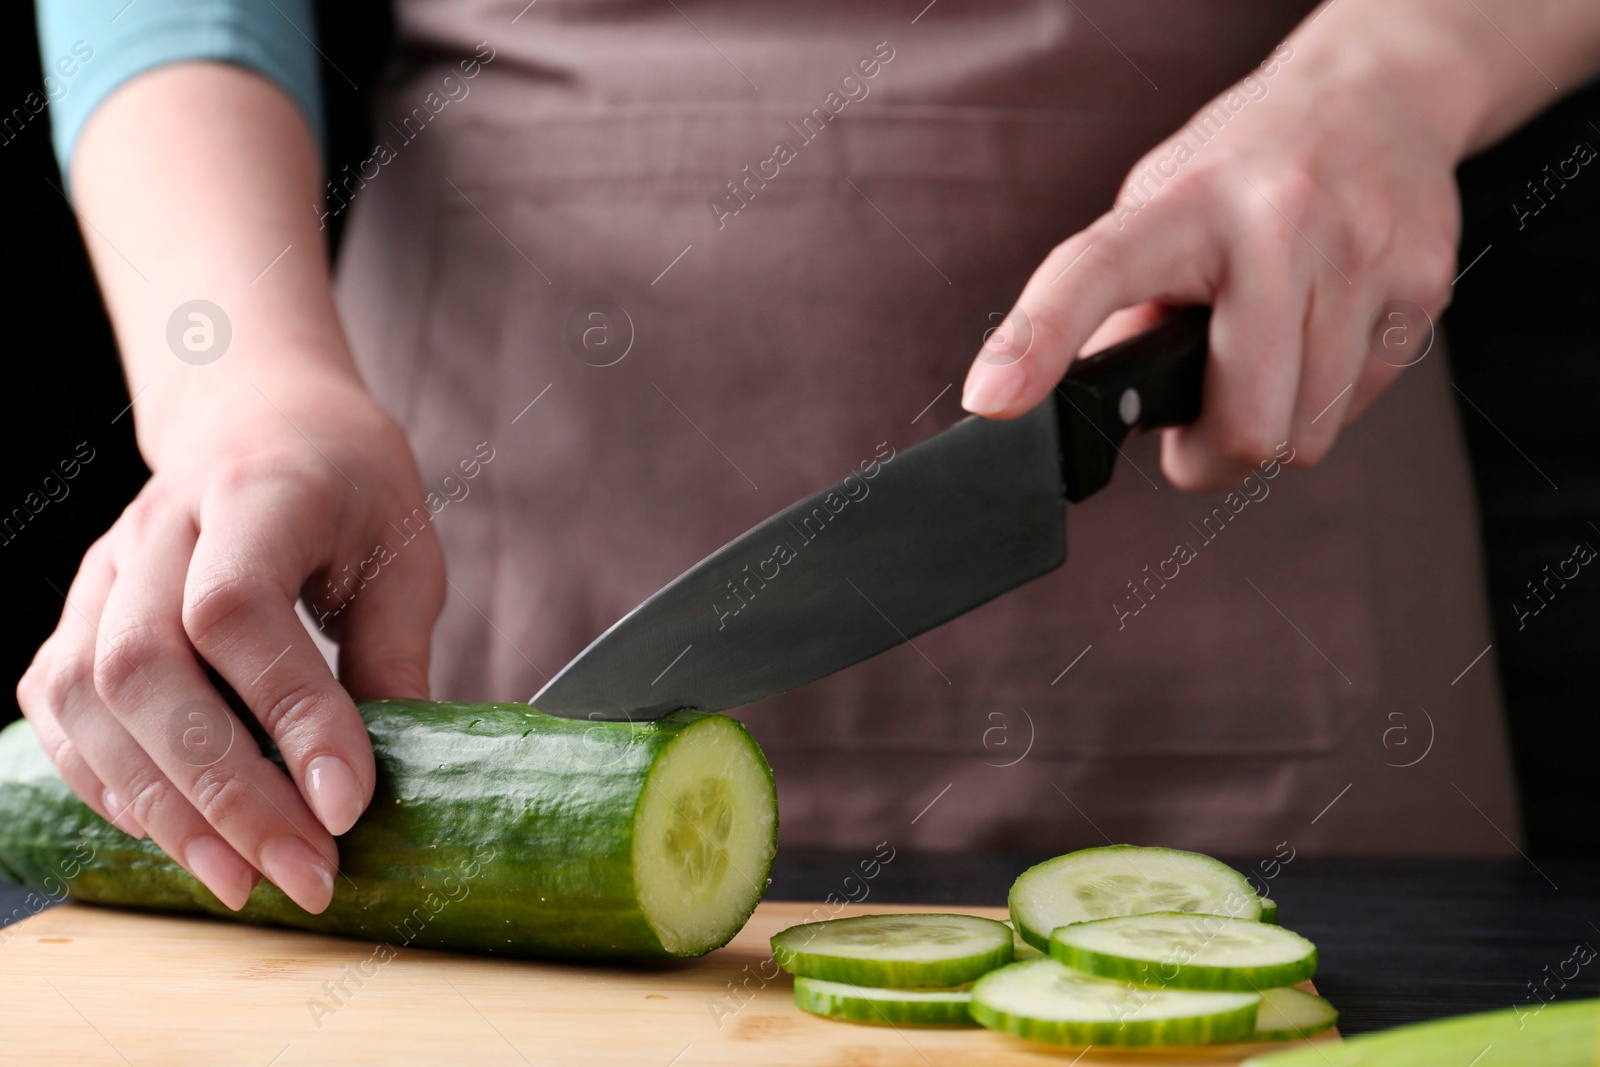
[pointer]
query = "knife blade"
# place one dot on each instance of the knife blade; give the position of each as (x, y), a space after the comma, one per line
(892, 550)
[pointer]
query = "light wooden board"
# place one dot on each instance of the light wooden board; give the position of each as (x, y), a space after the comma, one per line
(87, 985)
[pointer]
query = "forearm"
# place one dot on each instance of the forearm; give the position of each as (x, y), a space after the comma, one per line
(1480, 67)
(197, 181)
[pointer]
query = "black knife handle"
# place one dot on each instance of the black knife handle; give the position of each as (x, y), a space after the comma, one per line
(1152, 379)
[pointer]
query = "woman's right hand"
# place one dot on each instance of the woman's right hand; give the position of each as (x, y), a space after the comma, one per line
(267, 492)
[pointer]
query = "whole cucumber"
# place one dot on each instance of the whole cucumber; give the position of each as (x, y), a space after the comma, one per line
(493, 828)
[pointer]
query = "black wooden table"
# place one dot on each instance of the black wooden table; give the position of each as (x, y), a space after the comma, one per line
(1400, 940)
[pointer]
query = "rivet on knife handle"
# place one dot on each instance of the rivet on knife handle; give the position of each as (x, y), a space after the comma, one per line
(1152, 379)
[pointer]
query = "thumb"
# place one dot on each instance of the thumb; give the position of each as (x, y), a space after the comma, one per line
(396, 592)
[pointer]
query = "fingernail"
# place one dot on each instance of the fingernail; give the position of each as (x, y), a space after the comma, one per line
(334, 793)
(219, 867)
(121, 817)
(299, 870)
(990, 389)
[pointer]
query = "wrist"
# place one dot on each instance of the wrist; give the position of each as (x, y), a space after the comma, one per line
(1417, 64)
(191, 409)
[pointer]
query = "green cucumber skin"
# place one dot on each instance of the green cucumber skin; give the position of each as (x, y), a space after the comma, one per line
(882, 974)
(873, 974)
(493, 828)
(1234, 1026)
(863, 1010)
(1183, 975)
(1554, 1035)
(1269, 912)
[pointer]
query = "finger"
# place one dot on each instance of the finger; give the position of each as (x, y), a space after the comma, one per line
(254, 551)
(1401, 334)
(106, 747)
(1335, 350)
(174, 823)
(63, 662)
(386, 631)
(1165, 253)
(1253, 368)
(1123, 325)
(147, 675)
(77, 773)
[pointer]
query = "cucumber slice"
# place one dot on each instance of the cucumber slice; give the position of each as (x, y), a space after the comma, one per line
(1269, 911)
(1047, 1001)
(885, 1007)
(1099, 883)
(1289, 1014)
(1020, 949)
(912, 951)
(1186, 951)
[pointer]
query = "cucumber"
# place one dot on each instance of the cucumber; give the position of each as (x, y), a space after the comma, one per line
(493, 828)
(1290, 1014)
(1044, 1000)
(1565, 1034)
(1269, 911)
(885, 1007)
(910, 951)
(1020, 949)
(1099, 883)
(1183, 950)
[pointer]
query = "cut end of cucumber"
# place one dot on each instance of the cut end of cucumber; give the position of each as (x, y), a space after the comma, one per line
(704, 835)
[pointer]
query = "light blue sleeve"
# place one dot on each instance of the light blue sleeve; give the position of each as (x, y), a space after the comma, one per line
(90, 47)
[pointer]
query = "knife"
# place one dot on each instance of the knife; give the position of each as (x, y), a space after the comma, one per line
(902, 545)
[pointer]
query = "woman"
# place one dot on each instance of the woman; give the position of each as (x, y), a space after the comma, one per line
(621, 281)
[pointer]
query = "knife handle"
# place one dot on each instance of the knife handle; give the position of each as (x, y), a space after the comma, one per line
(1151, 379)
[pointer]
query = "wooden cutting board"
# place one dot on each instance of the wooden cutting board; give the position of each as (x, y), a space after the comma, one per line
(87, 985)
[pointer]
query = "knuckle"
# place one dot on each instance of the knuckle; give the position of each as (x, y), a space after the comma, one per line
(241, 472)
(57, 685)
(1049, 328)
(121, 658)
(216, 598)
(1431, 271)
(64, 754)
(1283, 206)
(140, 513)
(147, 794)
(1370, 237)
(311, 484)
(220, 793)
(293, 712)
(1205, 181)
(98, 554)
(31, 686)
(1099, 258)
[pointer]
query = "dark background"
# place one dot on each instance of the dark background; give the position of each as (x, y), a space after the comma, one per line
(1523, 329)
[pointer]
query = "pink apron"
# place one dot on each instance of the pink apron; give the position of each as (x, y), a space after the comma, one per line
(674, 265)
